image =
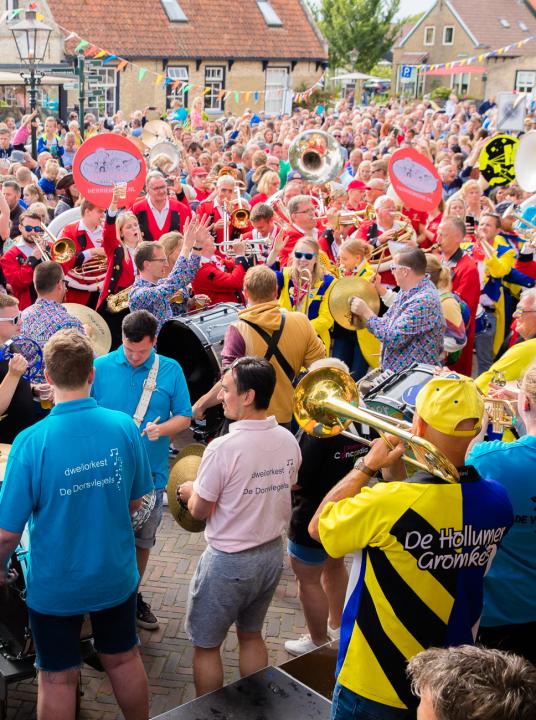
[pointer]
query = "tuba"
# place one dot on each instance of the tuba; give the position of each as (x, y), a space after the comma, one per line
(317, 156)
(326, 402)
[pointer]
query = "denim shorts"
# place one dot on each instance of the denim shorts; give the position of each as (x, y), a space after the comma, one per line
(307, 555)
(57, 637)
(145, 537)
(348, 705)
(232, 588)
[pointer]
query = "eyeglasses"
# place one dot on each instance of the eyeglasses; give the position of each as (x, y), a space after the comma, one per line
(521, 311)
(160, 260)
(32, 228)
(303, 212)
(12, 320)
(304, 255)
(159, 187)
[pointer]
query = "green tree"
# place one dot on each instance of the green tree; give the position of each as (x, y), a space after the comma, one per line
(365, 26)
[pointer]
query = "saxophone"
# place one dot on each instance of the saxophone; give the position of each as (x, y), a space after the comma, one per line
(118, 302)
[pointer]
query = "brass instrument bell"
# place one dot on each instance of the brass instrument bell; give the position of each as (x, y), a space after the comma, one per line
(317, 156)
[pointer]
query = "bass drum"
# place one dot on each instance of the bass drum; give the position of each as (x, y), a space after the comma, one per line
(195, 341)
(394, 394)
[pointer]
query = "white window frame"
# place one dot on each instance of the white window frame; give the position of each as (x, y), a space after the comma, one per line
(108, 83)
(432, 28)
(174, 11)
(448, 27)
(522, 84)
(178, 72)
(12, 5)
(459, 81)
(215, 80)
(270, 16)
(277, 97)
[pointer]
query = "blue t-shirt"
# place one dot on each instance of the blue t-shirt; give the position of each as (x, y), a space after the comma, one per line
(119, 386)
(510, 585)
(71, 477)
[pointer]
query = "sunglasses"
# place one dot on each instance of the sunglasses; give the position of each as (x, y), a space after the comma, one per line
(32, 228)
(304, 255)
(13, 320)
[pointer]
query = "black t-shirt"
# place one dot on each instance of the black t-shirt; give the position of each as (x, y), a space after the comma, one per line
(324, 463)
(21, 411)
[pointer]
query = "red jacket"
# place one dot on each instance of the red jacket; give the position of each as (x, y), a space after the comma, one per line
(466, 284)
(219, 285)
(177, 214)
(208, 208)
(18, 270)
(120, 270)
(82, 242)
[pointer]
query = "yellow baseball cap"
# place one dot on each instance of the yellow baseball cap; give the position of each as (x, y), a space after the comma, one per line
(446, 401)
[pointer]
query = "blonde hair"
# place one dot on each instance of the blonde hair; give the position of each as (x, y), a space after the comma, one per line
(7, 301)
(260, 283)
(170, 241)
(470, 185)
(318, 270)
(455, 198)
(268, 177)
(529, 386)
(356, 246)
(439, 273)
(40, 209)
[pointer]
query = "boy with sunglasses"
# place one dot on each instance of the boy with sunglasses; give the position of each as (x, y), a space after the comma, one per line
(16, 400)
(19, 262)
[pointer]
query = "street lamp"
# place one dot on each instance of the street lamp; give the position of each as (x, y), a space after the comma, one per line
(353, 55)
(31, 38)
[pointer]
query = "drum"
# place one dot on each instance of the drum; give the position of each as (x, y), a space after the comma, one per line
(195, 341)
(394, 394)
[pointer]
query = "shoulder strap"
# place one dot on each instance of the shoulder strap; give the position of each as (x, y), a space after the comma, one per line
(149, 386)
(272, 350)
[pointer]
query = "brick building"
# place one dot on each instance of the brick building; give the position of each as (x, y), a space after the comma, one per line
(455, 29)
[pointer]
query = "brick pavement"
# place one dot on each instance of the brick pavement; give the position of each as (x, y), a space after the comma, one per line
(167, 653)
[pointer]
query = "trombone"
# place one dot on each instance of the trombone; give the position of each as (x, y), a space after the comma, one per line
(61, 251)
(303, 287)
(326, 402)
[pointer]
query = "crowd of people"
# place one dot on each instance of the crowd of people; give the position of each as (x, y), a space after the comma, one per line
(234, 223)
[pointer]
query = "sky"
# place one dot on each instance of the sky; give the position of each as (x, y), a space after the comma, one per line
(412, 7)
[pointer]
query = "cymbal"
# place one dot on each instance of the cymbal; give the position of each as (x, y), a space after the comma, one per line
(97, 331)
(343, 291)
(5, 449)
(155, 131)
(137, 141)
(184, 470)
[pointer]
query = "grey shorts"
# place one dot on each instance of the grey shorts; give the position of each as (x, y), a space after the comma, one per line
(145, 537)
(232, 588)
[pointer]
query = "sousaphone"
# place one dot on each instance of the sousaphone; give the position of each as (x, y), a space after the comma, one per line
(185, 470)
(317, 156)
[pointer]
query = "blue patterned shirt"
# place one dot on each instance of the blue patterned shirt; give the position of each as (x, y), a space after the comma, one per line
(412, 329)
(44, 318)
(154, 297)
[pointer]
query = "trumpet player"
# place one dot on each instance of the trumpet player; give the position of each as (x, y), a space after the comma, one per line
(219, 210)
(20, 261)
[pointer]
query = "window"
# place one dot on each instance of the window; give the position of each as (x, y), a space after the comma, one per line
(460, 83)
(174, 11)
(215, 81)
(177, 72)
(504, 22)
(12, 5)
(448, 35)
(429, 35)
(271, 18)
(104, 90)
(523, 26)
(525, 80)
(277, 99)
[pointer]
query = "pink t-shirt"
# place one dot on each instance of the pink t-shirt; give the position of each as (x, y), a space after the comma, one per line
(248, 475)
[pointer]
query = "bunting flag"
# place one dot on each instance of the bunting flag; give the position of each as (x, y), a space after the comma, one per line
(477, 58)
(141, 74)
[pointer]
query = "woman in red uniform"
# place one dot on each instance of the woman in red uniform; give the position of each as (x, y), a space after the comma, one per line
(120, 240)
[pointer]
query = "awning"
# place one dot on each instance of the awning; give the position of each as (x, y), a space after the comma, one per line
(355, 76)
(8, 78)
(456, 70)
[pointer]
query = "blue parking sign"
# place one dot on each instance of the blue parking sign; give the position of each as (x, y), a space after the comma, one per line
(405, 71)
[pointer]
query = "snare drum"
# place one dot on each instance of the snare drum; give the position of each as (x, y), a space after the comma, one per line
(195, 341)
(394, 394)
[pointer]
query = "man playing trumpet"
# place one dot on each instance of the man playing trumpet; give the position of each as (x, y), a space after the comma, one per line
(20, 261)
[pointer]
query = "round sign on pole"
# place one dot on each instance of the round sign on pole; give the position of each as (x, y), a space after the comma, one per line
(415, 180)
(104, 160)
(497, 158)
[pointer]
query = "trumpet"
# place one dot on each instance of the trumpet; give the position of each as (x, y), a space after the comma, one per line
(239, 217)
(501, 412)
(326, 402)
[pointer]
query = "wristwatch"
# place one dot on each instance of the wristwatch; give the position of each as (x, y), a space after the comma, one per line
(364, 468)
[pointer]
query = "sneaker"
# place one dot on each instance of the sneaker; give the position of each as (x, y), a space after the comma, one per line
(165, 501)
(144, 616)
(334, 633)
(301, 646)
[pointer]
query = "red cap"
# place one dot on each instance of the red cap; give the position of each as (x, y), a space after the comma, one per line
(357, 185)
(199, 171)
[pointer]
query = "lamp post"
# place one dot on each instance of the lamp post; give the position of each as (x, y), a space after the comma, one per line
(31, 38)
